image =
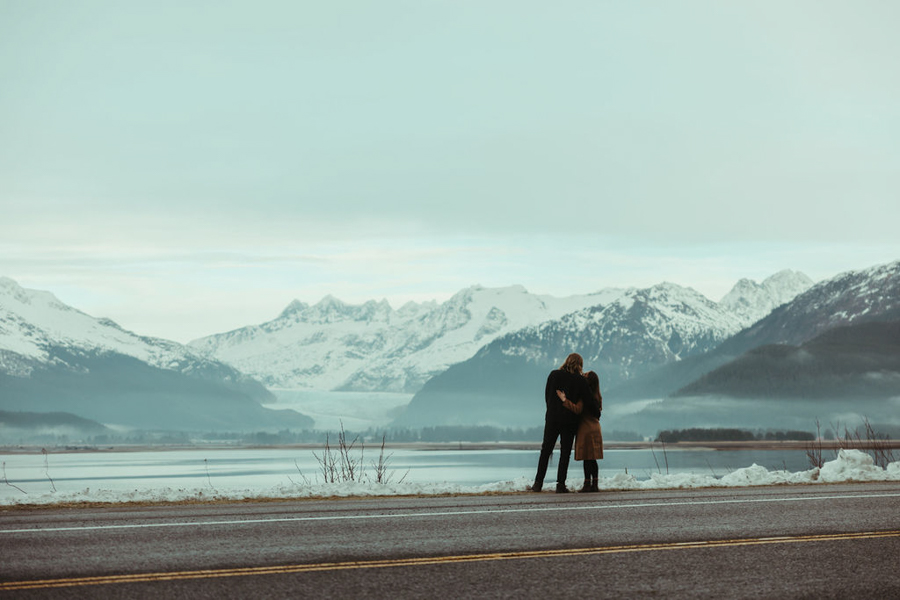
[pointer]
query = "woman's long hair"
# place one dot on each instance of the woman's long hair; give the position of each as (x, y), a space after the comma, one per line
(594, 383)
(574, 364)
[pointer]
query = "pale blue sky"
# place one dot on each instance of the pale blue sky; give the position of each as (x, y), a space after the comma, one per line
(190, 167)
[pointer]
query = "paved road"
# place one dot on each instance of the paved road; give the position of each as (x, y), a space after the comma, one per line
(819, 541)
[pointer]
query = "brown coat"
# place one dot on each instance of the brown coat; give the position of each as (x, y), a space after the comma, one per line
(589, 439)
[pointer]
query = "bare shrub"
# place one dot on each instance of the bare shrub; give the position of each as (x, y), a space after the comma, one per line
(344, 464)
(382, 475)
(304, 477)
(327, 462)
(47, 468)
(208, 479)
(814, 449)
(665, 456)
(878, 445)
(6, 481)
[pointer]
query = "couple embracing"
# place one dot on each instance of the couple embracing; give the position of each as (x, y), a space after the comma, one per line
(573, 413)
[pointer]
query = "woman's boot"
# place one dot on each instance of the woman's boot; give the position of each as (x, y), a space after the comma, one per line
(586, 487)
(594, 486)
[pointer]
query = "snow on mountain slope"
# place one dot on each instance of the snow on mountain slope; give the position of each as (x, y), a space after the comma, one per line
(54, 358)
(656, 325)
(751, 301)
(372, 347)
(849, 298)
(621, 338)
(33, 323)
(336, 346)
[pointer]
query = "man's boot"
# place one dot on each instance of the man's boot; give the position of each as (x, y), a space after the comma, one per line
(561, 488)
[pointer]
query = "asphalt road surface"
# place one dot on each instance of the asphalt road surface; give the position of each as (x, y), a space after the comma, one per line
(822, 541)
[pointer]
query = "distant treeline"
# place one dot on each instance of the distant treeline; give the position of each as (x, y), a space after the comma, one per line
(730, 435)
(438, 434)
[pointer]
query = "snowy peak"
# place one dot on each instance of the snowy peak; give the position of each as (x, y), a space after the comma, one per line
(372, 347)
(751, 301)
(846, 299)
(852, 297)
(293, 308)
(632, 331)
(660, 324)
(333, 345)
(33, 320)
(36, 326)
(788, 283)
(14, 297)
(622, 335)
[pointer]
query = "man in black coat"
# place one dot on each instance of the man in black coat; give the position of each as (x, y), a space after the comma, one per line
(559, 422)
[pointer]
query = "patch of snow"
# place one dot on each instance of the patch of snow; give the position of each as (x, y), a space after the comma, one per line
(849, 466)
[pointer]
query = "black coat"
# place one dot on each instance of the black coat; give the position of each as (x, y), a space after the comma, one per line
(576, 389)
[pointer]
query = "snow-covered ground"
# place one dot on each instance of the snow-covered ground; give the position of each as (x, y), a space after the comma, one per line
(850, 465)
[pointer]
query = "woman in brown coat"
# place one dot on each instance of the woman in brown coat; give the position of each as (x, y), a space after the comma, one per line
(589, 439)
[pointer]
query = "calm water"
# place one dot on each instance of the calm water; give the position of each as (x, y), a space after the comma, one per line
(263, 468)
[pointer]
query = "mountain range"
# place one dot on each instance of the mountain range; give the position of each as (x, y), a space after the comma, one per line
(54, 358)
(652, 343)
(372, 347)
(481, 357)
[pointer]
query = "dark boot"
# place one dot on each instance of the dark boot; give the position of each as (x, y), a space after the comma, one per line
(561, 488)
(594, 486)
(535, 487)
(586, 487)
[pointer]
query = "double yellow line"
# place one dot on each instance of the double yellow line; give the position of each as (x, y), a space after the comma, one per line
(436, 560)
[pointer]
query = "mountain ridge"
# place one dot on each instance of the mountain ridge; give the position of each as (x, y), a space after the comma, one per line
(372, 347)
(628, 336)
(858, 360)
(55, 358)
(332, 345)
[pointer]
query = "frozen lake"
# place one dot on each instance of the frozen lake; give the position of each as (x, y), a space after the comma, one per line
(232, 469)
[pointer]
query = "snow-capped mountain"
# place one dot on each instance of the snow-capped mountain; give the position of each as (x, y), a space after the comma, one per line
(625, 334)
(751, 301)
(372, 347)
(337, 346)
(829, 353)
(641, 327)
(54, 357)
(847, 299)
(34, 323)
(650, 343)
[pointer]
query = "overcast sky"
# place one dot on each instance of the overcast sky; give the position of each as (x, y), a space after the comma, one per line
(187, 168)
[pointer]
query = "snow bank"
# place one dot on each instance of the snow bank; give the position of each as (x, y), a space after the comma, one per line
(850, 465)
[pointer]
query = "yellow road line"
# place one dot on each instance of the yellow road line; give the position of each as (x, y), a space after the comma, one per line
(408, 562)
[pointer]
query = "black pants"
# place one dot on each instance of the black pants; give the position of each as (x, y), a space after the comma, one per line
(591, 469)
(566, 434)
